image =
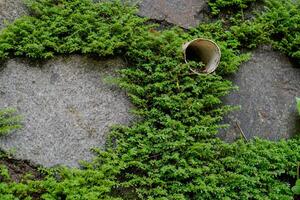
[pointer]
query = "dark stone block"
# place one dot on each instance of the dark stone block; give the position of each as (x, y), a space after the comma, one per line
(268, 85)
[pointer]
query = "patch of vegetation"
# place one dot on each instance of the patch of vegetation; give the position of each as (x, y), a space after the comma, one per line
(173, 153)
(296, 188)
(218, 5)
(278, 25)
(298, 104)
(283, 25)
(70, 27)
(9, 121)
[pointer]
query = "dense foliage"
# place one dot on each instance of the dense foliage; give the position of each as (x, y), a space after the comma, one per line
(283, 25)
(9, 121)
(279, 25)
(296, 188)
(173, 151)
(70, 27)
(218, 5)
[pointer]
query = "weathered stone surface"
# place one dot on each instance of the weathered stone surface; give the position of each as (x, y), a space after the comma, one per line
(11, 10)
(66, 106)
(182, 13)
(268, 85)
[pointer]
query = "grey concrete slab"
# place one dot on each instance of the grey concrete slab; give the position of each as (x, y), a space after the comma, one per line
(268, 85)
(66, 105)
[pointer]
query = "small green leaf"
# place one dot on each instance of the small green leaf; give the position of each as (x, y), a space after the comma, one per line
(296, 188)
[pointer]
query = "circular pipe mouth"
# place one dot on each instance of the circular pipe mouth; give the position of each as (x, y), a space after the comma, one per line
(205, 51)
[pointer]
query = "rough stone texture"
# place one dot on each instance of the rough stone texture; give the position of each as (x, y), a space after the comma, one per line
(66, 106)
(182, 13)
(268, 85)
(11, 10)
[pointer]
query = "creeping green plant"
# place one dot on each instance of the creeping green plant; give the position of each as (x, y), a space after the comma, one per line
(218, 5)
(296, 188)
(9, 121)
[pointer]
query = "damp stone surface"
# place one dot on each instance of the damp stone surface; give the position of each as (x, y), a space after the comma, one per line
(268, 85)
(67, 107)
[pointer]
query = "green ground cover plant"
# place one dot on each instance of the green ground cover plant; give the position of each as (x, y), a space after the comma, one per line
(296, 188)
(283, 23)
(173, 151)
(278, 25)
(298, 104)
(9, 121)
(220, 5)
